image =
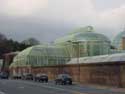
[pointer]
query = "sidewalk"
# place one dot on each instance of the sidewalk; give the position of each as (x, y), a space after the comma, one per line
(118, 89)
(114, 89)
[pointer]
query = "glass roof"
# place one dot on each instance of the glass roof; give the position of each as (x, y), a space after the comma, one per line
(117, 40)
(83, 34)
(46, 50)
(42, 55)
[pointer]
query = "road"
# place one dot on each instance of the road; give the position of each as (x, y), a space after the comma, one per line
(30, 87)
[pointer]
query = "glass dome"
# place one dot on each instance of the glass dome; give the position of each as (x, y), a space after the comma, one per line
(88, 42)
(117, 42)
(83, 34)
(41, 55)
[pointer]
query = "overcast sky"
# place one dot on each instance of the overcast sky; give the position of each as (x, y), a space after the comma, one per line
(48, 20)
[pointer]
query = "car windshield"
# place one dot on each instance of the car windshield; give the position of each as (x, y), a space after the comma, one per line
(41, 74)
(3, 73)
(64, 76)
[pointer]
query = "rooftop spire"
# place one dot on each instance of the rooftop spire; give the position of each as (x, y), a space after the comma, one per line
(83, 29)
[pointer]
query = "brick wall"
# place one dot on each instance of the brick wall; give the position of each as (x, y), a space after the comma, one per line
(110, 74)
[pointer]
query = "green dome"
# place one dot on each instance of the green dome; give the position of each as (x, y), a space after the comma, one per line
(90, 43)
(83, 34)
(41, 55)
(118, 40)
(90, 36)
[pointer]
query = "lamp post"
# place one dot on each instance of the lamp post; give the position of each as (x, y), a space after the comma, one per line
(77, 55)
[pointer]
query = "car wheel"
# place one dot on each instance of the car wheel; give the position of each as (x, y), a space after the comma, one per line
(41, 81)
(62, 83)
(70, 83)
(46, 81)
(56, 82)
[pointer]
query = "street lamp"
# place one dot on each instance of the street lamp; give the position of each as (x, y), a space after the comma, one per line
(78, 55)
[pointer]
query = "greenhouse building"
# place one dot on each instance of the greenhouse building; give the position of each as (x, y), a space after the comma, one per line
(84, 54)
(41, 55)
(82, 42)
(119, 41)
(85, 42)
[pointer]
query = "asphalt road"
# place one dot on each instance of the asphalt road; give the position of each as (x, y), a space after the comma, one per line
(30, 87)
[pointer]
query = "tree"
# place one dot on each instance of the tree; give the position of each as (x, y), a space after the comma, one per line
(9, 45)
(2, 37)
(31, 41)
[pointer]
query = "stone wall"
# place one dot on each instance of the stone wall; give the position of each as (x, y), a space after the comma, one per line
(110, 74)
(122, 75)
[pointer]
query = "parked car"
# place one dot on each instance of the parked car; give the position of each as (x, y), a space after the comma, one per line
(4, 75)
(17, 76)
(41, 78)
(27, 76)
(63, 79)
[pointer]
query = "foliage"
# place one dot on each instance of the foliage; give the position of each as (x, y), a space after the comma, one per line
(31, 41)
(9, 45)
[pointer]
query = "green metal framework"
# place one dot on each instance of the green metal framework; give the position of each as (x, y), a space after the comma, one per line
(117, 42)
(82, 42)
(41, 55)
(87, 41)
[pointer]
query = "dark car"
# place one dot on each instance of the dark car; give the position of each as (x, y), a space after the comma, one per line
(41, 78)
(27, 76)
(17, 76)
(4, 75)
(63, 79)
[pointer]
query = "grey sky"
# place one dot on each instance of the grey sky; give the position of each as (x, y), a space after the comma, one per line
(47, 20)
(107, 4)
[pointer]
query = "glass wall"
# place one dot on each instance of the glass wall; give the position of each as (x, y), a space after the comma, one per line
(42, 56)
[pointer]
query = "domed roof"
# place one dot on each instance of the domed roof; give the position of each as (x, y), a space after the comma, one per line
(45, 50)
(83, 34)
(41, 52)
(118, 39)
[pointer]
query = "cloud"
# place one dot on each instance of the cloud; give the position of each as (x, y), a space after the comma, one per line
(113, 19)
(50, 19)
(22, 7)
(71, 9)
(114, 16)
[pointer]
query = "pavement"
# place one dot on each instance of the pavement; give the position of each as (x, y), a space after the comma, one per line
(30, 87)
